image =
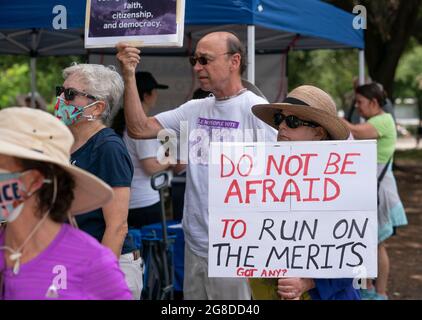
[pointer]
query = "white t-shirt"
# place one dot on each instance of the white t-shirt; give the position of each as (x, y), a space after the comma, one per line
(209, 115)
(141, 192)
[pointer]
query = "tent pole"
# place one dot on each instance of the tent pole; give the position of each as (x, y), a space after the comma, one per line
(251, 53)
(33, 67)
(361, 67)
(33, 63)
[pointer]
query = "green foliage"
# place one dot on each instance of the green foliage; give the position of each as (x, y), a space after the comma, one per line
(15, 77)
(409, 73)
(331, 70)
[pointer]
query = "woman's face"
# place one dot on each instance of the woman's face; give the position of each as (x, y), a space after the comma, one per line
(365, 106)
(74, 82)
(302, 133)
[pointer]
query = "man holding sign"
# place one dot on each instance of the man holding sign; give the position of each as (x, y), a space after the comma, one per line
(219, 61)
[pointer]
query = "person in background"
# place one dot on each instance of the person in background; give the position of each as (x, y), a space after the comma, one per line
(380, 126)
(145, 205)
(85, 101)
(42, 257)
(308, 114)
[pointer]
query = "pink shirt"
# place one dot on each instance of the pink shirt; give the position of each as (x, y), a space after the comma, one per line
(73, 267)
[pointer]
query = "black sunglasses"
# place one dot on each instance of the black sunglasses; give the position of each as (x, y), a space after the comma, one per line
(202, 60)
(70, 93)
(292, 121)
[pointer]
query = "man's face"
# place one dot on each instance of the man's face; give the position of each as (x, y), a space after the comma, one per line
(215, 74)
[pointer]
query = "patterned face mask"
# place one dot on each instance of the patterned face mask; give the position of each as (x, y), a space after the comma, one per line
(11, 201)
(70, 114)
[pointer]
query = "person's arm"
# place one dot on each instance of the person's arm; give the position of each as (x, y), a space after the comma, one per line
(115, 216)
(362, 131)
(151, 166)
(138, 124)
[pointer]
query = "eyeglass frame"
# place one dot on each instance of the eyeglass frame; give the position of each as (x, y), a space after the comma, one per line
(62, 89)
(288, 119)
(193, 60)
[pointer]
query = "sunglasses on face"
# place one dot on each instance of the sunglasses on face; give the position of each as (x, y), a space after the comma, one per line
(70, 93)
(292, 121)
(202, 60)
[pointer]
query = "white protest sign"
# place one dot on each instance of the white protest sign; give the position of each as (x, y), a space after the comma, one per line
(146, 23)
(303, 209)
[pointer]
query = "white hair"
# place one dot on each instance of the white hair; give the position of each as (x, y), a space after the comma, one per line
(105, 83)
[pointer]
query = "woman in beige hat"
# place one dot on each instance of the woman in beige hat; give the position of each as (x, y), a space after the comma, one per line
(41, 256)
(86, 101)
(308, 114)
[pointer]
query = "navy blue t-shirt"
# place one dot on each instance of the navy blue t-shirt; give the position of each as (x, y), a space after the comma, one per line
(105, 156)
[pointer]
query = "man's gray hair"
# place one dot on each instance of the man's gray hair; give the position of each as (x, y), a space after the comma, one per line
(103, 82)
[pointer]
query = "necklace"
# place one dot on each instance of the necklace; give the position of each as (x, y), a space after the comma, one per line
(17, 254)
(235, 95)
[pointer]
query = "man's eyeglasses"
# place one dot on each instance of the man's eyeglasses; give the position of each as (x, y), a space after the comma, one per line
(70, 93)
(292, 121)
(202, 60)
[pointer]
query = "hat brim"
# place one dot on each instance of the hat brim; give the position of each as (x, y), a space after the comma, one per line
(90, 192)
(334, 126)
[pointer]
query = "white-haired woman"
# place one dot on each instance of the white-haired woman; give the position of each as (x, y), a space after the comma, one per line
(85, 103)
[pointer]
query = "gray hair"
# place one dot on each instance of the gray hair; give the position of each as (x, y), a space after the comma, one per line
(103, 82)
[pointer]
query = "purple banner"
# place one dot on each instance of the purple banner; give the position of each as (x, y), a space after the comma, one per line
(111, 18)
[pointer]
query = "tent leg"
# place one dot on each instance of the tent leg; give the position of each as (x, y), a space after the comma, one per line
(361, 67)
(33, 65)
(251, 54)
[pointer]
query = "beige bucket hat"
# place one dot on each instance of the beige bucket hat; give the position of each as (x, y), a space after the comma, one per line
(37, 135)
(308, 103)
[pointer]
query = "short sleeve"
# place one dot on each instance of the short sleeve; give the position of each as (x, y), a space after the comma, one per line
(113, 164)
(172, 119)
(104, 280)
(146, 148)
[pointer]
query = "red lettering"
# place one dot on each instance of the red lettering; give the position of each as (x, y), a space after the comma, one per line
(300, 165)
(269, 189)
(222, 175)
(234, 226)
(336, 186)
(226, 223)
(307, 158)
(311, 185)
(250, 191)
(335, 163)
(286, 191)
(232, 193)
(345, 163)
(271, 160)
(250, 165)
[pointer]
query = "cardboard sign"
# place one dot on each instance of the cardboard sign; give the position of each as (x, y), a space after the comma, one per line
(304, 209)
(143, 23)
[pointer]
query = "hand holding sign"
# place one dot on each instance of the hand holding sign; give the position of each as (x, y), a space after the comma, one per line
(129, 57)
(293, 288)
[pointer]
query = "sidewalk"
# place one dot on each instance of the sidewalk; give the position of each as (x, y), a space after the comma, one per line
(406, 143)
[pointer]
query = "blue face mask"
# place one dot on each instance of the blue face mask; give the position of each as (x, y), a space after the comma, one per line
(70, 114)
(11, 201)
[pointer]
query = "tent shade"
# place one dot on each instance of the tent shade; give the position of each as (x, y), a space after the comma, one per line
(27, 26)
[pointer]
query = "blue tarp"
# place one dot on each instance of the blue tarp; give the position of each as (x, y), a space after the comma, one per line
(322, 24)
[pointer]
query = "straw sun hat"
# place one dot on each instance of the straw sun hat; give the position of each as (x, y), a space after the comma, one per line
(37, 135)
(307, 103)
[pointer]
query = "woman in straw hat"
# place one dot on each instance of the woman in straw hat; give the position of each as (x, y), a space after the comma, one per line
(86, 101)
(380, 125)
(43, 257)
(308, 114)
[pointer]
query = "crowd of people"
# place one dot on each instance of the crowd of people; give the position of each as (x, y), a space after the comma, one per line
(72, 185)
